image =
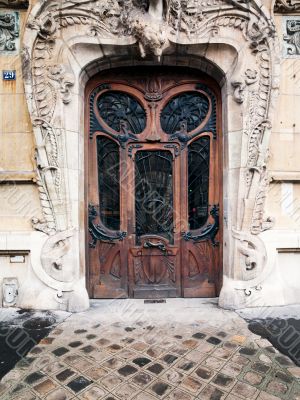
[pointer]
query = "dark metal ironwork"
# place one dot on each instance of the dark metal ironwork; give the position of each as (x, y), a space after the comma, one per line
(186, 112)
(209, 232)
(160, 246)
(109, 182)
(154, 193)
(120, 110)
(98, 232)
(173, 146)
(211, 125)
(189, 107)
(94, 122)
(132, 147)
(198, 182)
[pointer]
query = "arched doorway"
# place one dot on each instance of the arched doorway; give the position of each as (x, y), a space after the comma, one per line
(154, 184)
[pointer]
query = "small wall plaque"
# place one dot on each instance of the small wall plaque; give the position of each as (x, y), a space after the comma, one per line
(9, 75)
(17, 259)
(10, 292)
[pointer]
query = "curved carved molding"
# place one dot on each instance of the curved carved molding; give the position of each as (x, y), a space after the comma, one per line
(54, 252)
(52, 269)
(156, 27)
(287, 6)
(253, 250)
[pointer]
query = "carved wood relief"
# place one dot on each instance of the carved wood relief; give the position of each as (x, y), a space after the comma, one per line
(147, 129)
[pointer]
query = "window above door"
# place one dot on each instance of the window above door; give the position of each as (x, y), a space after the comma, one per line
(153, 109)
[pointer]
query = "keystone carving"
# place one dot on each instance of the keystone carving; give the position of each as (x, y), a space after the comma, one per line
(147, 28)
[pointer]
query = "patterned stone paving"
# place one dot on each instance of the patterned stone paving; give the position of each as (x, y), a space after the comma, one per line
(206, 354)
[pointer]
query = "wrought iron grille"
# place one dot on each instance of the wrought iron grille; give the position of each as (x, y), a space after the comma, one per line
(198, 182)
(109, 182)
(154, 193)
(117, 108)
(190, 107)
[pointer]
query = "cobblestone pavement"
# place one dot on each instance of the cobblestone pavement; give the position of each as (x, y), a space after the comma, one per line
(181, 350)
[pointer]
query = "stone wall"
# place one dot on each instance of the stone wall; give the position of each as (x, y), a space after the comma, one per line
(18, 192)
(17, 164)
(61, 50)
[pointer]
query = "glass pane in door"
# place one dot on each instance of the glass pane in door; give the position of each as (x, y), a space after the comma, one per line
(154, 193)
(198, 182)
(109, 182)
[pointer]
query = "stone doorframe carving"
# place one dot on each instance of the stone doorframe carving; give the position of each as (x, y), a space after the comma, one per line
(234, 41)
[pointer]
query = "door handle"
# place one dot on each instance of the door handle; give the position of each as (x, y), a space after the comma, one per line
(160, 246)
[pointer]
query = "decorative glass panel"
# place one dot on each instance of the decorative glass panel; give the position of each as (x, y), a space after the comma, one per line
(109, 182)
(117, 108)
(154, 193)
(198, 182)
(191, 107)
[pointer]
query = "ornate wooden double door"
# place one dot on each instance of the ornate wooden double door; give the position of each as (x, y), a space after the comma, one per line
(154, 184)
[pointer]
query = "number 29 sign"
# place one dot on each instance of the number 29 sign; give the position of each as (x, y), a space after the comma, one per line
(9, 75)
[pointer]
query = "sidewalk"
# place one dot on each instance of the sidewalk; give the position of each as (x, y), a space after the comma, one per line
(180, 350)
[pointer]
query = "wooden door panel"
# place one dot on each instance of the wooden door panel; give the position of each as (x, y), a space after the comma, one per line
(161, 241)
(154, 269)
(111, 272)
(107, 260)
(198, 272)
(154, 259)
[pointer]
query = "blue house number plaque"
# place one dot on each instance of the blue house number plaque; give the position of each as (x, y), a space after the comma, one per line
(9, 75)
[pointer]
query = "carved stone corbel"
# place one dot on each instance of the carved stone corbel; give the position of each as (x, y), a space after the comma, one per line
(147, 27)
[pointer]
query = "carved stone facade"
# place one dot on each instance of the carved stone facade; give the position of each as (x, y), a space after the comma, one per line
(235, 42)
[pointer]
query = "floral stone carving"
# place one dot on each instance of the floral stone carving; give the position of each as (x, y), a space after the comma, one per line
(9, 32)
(292, 37)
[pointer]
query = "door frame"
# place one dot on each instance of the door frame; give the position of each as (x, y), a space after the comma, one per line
(213, 85)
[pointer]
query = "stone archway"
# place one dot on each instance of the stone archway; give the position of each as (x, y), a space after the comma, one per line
(66, 43)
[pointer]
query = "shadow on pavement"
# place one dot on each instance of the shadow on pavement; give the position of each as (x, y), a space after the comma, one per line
(20, 331)
(283, 334)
